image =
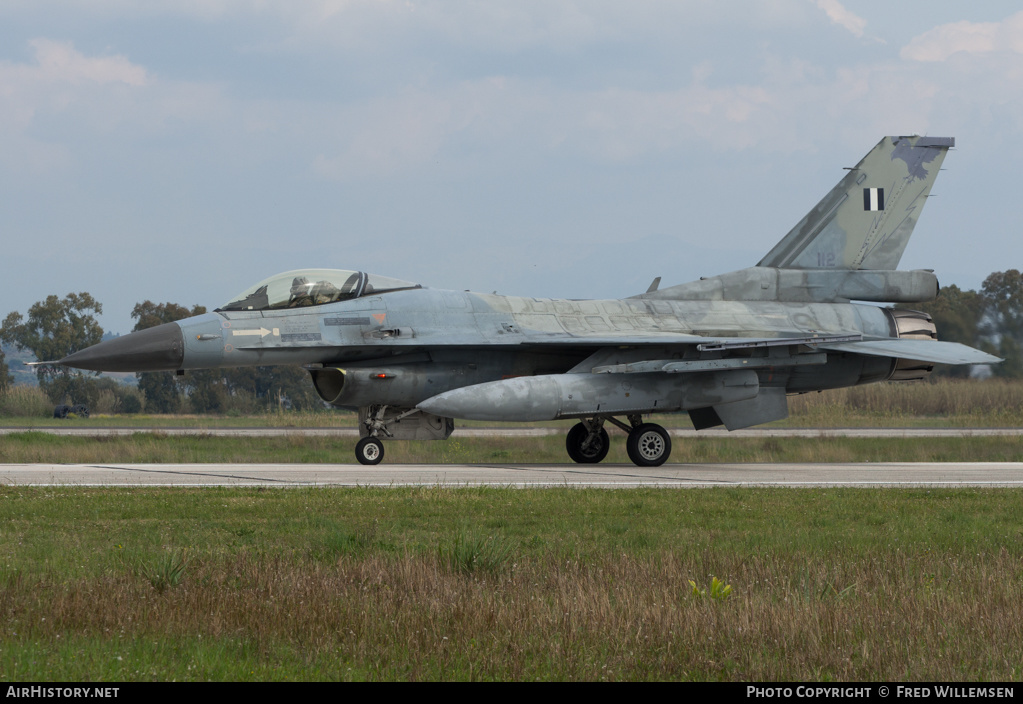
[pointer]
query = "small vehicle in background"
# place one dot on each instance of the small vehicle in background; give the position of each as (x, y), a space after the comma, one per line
(79, 410)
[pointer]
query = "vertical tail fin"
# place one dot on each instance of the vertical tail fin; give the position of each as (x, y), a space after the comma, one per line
(866, 220)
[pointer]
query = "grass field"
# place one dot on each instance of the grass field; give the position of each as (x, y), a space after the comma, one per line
(430, 584)
(520, 584)
(143, 448)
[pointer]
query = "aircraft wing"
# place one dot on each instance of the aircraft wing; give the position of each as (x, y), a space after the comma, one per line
(936, 351)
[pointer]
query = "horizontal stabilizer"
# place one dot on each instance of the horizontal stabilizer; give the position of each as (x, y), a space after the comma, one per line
(937, 352)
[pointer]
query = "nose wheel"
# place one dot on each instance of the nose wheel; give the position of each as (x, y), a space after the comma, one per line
(369, 451)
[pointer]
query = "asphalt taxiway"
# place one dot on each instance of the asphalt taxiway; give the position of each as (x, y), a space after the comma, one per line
(898, 474)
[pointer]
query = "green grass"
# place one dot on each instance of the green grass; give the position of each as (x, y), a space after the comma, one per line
(360, 584)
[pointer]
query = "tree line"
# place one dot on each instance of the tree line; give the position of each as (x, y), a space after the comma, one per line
(990, 319)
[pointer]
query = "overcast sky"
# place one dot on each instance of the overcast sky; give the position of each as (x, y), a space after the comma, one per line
(181, 150)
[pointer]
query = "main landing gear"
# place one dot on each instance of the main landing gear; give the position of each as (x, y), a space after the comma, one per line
(587, 442)
(648, 444)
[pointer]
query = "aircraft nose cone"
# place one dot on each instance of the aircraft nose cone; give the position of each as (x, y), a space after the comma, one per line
(154, 349)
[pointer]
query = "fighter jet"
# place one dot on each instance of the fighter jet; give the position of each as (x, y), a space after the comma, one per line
(728, 350)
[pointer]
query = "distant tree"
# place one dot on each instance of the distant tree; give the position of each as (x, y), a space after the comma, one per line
(958, 315)
(6, 380)
(207, 390)
(54, 329)
(1002, 326)
(1003, 294)
(265, 385)
(148, 314)
(1009, 350)
(161, 389)
(114, 396)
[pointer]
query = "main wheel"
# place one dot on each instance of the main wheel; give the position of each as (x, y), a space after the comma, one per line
(369, 451)
(586, 453)
(648, 445)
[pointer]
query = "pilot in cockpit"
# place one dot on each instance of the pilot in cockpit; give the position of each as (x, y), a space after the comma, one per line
(304, 293)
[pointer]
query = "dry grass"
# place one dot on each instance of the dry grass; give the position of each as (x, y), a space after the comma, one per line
(588, 585)
(917, 617)
(951, 402)
(947, 402)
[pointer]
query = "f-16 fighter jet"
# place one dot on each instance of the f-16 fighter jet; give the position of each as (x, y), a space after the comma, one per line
(727, 350)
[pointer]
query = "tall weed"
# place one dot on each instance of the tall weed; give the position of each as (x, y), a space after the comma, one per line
(163, 571)
(25, 401)
(472, 551)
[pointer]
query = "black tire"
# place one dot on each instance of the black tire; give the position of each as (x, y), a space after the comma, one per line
(597, 449)
(648, 445)
(60, 411)
(369, 451)
(80, 410)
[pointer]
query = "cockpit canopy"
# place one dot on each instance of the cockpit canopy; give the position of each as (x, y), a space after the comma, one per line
(313, 287)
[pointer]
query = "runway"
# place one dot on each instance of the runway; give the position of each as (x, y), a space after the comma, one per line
(679, 476)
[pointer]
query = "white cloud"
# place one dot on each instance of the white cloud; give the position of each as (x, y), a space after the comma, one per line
(60, 62)
(54, 105)
(385, 136)
(839, 15)
(58, 77)
(942, 42)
